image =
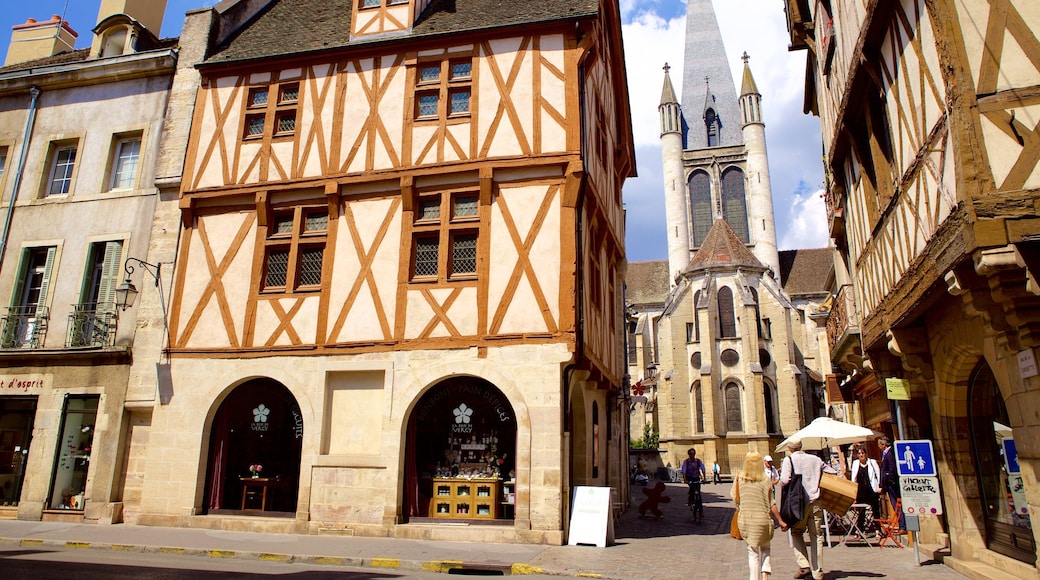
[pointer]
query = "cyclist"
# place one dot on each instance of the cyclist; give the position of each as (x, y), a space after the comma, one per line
(694, 472)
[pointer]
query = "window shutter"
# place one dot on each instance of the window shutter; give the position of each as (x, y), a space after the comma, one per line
(46, 284)
(19, 283)
(109, 276)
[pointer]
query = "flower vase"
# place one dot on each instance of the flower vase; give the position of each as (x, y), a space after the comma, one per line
(256, 475)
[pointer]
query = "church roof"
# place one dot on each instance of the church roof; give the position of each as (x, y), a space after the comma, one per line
(646, 283)
(807, 271)
(705, 57)
(747, 85)
(292, 27)
(722, 248)
(668, 93)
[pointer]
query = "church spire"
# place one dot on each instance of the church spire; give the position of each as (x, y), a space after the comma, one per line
(707, 76)
(669, 107)
(750, 99)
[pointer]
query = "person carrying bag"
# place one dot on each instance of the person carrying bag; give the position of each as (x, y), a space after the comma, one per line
(800, 478)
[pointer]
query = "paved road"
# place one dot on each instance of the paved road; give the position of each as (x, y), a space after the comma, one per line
(672, 547)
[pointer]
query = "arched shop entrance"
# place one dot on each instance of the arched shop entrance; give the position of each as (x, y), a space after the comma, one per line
(258, 424)
(460, 460)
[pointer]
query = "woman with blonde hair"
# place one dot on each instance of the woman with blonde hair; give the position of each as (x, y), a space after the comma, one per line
(756, 509)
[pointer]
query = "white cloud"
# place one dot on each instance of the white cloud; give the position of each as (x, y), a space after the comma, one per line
(806, 222)
(650, 42)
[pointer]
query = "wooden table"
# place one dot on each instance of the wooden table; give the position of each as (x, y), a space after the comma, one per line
(257, 482)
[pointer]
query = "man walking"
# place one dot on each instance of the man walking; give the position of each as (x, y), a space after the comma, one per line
(810, 467)
(716, 475)
(890, 477)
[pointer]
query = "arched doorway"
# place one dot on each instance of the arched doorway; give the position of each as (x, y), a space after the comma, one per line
(1007, 525)
(258, 423)
(462, 427)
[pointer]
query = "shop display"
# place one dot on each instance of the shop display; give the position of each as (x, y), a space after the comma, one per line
(467, 484)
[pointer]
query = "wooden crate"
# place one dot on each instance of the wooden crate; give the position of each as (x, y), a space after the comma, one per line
(837, 494)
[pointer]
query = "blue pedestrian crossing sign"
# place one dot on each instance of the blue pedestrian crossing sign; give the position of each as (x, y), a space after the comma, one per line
(915, 457)
(1010, 456)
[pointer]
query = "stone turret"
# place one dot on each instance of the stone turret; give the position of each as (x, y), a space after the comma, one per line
(761, 221)
(674, 179)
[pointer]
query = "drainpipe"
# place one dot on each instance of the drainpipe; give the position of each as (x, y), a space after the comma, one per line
(30, 120)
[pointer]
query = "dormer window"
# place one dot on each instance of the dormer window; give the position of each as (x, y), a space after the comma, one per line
(711, 125)
(114, 43)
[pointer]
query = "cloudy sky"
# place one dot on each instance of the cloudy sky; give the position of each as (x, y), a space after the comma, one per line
(653, 34)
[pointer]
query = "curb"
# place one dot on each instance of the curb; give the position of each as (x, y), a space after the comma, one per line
(435, 566)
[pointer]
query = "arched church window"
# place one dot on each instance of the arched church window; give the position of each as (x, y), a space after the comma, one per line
(700, 206)
(734, 414)
(1006, 520)
(711, 125)
(698, 408)
(696, 318)
(769, 398)
(727, 320)
(734, 204)
(758, 313)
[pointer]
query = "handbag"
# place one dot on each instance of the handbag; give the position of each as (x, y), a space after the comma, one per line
(793, 499)
(734, 529)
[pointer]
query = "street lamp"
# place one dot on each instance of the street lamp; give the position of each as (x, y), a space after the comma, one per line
(126, 293)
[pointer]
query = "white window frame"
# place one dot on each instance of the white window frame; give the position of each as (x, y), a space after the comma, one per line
(121, 161)
(68, 168)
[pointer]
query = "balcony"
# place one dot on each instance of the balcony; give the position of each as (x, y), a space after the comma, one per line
(843, 334)
(90, 326)
(24, 327)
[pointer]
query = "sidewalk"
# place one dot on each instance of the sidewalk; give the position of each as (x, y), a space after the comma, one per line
(659, 549)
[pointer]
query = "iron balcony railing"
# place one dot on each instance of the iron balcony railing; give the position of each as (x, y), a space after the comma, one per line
(24, 327)
(91, 326)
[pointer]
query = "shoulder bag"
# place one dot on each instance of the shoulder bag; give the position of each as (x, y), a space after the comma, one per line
(793, 499)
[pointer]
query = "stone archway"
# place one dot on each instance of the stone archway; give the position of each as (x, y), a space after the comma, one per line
(258, 423)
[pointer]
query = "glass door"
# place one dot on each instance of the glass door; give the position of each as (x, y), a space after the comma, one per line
(16, 424)
(73, 458)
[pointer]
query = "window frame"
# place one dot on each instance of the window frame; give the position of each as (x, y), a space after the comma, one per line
(444, 87)
(271, 111)
(446, 228)
(296, 241)
(55, 150)
(115, 159)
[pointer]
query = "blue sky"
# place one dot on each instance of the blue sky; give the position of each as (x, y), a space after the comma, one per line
(653, 34)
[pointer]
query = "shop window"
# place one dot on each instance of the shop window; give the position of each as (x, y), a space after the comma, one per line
(267, 116)
(443, 88)
(17, 415)
(727, 319)
(445, 233)
(734, 412)
(700, 206)
(61, 166)
(294, 251)
(126, 152)
(1007, 525)
(25, 325)
(75, 443)
(734, 206)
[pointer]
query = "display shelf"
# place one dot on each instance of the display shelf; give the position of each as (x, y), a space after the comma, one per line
(465, 498)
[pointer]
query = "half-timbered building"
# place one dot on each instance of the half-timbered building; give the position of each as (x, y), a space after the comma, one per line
(398, 238)
(930, 114)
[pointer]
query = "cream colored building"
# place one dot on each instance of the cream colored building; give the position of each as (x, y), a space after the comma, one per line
(399, 256)
(929, 115)
(79, 136)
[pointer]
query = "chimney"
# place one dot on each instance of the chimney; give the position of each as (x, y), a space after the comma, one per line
(34, 40)
(148, 12)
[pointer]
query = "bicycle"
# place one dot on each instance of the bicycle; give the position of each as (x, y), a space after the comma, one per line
(695, 502)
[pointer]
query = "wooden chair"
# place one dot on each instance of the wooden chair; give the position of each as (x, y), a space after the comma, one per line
(889, 527)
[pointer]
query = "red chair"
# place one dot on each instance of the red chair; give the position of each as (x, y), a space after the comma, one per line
(889, 527)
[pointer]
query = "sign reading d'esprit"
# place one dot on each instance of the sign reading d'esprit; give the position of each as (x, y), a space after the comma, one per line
(25, 384)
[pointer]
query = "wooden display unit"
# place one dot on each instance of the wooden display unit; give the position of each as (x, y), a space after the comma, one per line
(465, 498)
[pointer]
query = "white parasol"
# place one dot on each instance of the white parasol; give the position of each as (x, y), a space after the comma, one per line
(824, 432)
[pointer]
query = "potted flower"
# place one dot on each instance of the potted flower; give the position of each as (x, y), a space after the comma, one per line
(255, 469)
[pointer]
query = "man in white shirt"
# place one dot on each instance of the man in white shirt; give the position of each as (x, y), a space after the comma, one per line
(771, 473)
(810, 467)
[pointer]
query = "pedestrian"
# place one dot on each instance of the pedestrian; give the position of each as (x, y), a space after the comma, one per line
(716, 477)
(694, 472)
(890, 477)
(867, 475)
(756, 508)
(770, 471)
(810, 467)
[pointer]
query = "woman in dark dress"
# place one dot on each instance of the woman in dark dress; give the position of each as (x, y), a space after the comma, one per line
(867, 474)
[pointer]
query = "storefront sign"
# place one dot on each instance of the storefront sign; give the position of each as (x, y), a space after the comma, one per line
(25, 384)
(465, 390)
(920, 495)
(260, 414)
(590, 517)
